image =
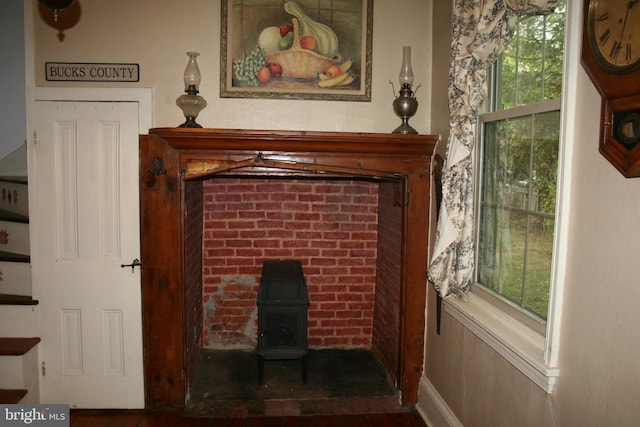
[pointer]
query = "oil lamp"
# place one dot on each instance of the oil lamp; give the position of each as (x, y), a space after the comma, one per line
(191, 104)
(405, 105)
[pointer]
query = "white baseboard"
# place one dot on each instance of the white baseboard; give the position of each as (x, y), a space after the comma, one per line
(432, 408)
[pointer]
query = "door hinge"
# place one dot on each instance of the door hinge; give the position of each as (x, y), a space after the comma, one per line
(44, 370)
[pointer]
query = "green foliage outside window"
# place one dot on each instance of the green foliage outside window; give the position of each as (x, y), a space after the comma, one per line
(519, 167)
(530, 68)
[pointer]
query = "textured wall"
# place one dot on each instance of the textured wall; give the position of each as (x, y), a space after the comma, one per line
(330, 226)
(193, 275)
(386, 324)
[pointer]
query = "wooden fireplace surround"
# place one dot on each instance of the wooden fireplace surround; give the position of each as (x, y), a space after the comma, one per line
(170, 156)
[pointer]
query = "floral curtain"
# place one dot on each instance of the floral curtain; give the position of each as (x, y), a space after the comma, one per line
(481, 30)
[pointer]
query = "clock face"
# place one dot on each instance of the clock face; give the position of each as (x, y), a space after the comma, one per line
(614, 33)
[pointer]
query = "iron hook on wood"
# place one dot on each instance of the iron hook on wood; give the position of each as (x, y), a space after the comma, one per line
(158, 166)
(135, 263)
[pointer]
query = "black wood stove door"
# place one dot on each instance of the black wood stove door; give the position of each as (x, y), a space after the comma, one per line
(282, 331)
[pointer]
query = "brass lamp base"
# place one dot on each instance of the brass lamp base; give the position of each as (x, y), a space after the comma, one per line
(404, 128)
(405, 106)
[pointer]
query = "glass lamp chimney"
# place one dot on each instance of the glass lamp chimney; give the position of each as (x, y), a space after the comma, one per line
(406, 72)
(192, 73)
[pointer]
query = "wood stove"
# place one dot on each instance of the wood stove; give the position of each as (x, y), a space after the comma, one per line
(283, 302)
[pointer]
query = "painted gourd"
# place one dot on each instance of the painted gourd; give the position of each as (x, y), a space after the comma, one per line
(325, 37)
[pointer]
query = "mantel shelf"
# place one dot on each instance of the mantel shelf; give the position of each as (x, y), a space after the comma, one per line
(297, 141)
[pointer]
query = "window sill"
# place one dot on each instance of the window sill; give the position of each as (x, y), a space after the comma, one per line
(512, 339)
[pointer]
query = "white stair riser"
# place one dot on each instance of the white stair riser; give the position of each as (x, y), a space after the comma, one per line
(19, 371)
(32, 397)
(15, 278)
(17, 237)
(14, 198)
(19, 321)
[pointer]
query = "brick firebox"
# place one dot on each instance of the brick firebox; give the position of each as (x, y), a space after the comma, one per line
(331, 226)
(334, 228)
(178, 166)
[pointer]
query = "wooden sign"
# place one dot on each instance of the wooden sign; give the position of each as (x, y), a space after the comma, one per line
(91, 72)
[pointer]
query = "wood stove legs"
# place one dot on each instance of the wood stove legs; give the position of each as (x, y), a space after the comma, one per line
(303, 363)
(303, 366)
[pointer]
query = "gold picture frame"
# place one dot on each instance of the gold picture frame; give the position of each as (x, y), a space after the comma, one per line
(318, 50)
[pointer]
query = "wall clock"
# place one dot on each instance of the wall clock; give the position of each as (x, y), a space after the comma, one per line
(611, 57)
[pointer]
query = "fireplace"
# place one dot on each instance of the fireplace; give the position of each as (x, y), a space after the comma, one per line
(175, 163)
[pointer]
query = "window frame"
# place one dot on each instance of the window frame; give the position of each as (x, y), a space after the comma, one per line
(522, 111)
(533, 347)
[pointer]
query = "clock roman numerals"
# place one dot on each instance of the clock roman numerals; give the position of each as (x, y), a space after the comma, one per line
(613, 27)
(605, 36)
(615, 50)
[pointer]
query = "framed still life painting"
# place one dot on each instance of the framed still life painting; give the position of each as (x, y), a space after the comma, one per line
(302, 49)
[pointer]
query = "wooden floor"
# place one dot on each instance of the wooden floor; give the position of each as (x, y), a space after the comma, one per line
(117, 418)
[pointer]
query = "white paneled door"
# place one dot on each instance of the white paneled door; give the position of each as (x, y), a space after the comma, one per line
(87, 225)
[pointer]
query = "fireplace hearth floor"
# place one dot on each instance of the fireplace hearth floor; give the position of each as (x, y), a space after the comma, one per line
(339, 382)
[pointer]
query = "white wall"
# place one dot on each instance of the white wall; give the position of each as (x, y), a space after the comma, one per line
(157, 34)
(600, 349)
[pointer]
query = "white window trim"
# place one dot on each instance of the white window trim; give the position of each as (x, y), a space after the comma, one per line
(512, 339)
(535, 354)
(521, 111)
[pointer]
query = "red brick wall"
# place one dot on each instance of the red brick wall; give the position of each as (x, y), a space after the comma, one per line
(193, 275)
(329, 225)
(386, 325)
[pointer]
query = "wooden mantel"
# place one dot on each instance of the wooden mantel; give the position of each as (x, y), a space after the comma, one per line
(170, 157)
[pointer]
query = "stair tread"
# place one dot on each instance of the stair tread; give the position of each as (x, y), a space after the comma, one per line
(6, 215)
(14, 179)
(9, 299)
(11, 396)
(10, 256)
(17, 346)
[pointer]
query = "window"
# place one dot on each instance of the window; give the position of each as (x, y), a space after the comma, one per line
(518, 169)
(523, 162)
